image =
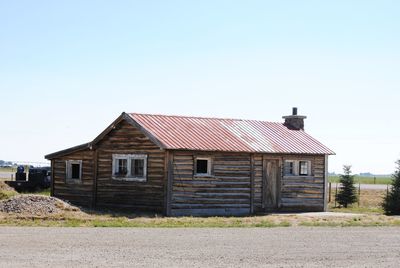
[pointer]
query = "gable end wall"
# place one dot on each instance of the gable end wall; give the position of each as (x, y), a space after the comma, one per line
(149, 195)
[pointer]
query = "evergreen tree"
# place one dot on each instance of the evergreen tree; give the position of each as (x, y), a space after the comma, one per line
(391, 203)
(347, 191)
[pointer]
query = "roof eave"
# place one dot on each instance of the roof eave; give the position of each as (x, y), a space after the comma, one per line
(68, 151)
(123, 116)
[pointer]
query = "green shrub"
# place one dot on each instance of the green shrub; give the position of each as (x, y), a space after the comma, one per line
(347, 191)
(391, 203)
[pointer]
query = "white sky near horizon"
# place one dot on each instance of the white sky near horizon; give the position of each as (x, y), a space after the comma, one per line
(68, 69)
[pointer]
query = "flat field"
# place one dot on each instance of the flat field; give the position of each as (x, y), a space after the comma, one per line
(365, 180)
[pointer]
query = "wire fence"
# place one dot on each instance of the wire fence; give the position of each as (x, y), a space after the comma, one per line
(368, 195)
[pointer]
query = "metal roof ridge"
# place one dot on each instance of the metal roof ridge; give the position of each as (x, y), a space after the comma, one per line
(204, 117)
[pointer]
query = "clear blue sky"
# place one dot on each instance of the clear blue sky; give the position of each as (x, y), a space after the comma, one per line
(69, 68)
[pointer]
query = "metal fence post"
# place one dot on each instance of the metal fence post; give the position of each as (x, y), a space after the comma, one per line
(330, 192)
(387, 190)
(335, 194)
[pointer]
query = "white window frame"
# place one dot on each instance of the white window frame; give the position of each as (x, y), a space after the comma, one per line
(308, 168)
(296, 168)
(208, 166)
(68, 170)
(129, 158)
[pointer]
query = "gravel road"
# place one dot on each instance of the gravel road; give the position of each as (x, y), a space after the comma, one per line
(124, 247)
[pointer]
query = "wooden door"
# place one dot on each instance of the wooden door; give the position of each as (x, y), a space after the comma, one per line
(271, 184)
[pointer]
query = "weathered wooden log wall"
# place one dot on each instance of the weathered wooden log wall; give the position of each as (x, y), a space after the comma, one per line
(304, 193)
(226, 192)
(149, 195)
(258, 183)
(77, 192)
(237, 186)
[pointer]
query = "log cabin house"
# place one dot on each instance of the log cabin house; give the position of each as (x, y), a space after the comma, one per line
(179, 165)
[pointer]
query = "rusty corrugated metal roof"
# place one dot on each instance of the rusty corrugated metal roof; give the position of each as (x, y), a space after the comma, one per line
(228, 135)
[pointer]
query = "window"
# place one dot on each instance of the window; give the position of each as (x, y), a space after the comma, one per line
(303, 168)
(73, 169)
(297, 168)
(131, 167)
(137, 167)
(122, 167)
(289, 167)
(203, 166)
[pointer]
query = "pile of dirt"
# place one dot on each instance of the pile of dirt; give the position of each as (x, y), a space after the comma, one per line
(5, 187)
(35, 205)
(6, 191)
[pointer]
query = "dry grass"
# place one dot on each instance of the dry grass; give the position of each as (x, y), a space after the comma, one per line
(369, 207)
(6, 191)
(369, 202)
(82, 219)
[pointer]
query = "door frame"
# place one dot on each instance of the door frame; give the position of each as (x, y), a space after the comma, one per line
(278, 187)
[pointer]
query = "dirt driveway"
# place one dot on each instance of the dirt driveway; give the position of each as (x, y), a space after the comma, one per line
(274, 247)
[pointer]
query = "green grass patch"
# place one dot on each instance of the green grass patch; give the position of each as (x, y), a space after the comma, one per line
(184, 222)
(45, 192)
(364, 180)
(212, 222)
(355, 209)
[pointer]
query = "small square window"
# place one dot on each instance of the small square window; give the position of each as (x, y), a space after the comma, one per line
(73, 169)
(203, 166)
(289, 168)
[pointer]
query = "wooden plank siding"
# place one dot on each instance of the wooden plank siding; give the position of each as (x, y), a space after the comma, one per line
(226, 192)
(258, 183)
(147, 196)
(304, 193)
(79, 192)
(238, 184)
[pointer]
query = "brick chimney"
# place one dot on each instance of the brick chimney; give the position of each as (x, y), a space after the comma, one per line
(294, 121)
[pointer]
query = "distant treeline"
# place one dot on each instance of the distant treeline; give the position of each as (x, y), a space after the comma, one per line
(4, 163)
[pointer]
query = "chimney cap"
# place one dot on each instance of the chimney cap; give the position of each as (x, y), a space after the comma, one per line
(294, 114)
